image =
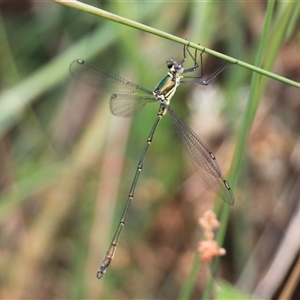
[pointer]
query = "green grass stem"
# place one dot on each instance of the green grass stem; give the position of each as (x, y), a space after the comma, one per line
(121, 20)
(268, 49)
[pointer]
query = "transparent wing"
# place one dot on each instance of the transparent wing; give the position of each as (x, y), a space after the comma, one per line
(204, 160)
(103, 80)
(128, 105)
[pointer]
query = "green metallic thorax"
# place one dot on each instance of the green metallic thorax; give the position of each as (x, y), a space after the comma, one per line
(167, 86)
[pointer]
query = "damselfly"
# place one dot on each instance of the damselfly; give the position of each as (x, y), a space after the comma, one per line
(127, 99)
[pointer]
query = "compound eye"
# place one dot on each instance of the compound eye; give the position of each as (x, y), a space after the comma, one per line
(170, 63)
(179, 67)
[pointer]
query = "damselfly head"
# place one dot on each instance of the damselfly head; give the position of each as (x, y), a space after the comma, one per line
(170, 63)
(175, 66)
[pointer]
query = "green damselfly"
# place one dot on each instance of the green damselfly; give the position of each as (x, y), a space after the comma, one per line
(127, 99)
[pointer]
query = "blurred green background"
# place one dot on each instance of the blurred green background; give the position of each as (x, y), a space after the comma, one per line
(67, 163)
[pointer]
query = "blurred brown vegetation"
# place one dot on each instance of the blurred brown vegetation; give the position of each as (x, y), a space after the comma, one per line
(67, 163)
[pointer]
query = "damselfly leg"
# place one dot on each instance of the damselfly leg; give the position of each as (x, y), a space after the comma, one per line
(198, 79)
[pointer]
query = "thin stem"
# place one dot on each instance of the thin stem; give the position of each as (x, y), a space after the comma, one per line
(241, 141)
(121, 20)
